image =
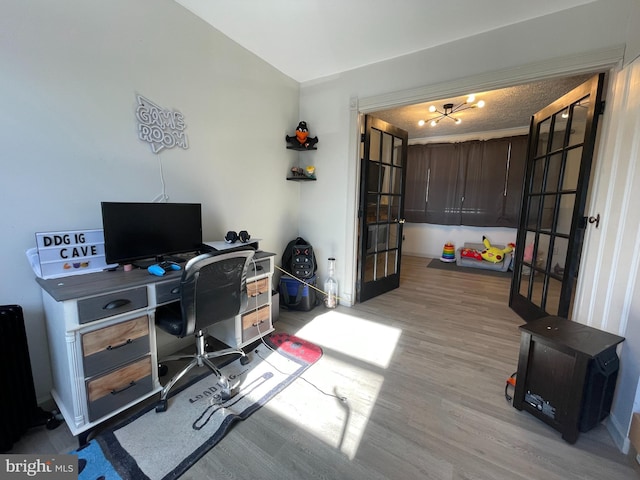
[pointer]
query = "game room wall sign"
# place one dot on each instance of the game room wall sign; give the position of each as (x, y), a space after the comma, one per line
(161, 128)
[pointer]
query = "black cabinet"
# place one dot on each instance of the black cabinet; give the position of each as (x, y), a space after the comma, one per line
(566, 374)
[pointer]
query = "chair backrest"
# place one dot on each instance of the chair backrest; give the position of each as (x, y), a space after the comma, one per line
(213, 288)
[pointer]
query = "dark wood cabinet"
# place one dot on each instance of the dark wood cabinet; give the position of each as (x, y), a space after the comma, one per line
(566, 374)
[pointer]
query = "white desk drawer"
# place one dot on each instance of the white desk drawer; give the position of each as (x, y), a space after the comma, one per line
(108, 347)
(257, 301)
(118, 388)
(262, 316)
(167, 292)
(102, 306)
(258, 287)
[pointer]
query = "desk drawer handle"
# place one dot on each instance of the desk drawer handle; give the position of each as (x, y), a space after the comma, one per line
(175, 290)
(115, 392)
(116, 304)
(121, 345)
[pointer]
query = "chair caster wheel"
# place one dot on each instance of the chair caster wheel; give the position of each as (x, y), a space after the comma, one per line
(229, 393)
(161, 406)
(245, 360)
(162, 369)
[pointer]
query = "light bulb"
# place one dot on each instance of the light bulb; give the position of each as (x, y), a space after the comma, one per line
(458, 121)
(432, 108)
(480, 104)
(433, 123)
(471, 98)
(421, 122)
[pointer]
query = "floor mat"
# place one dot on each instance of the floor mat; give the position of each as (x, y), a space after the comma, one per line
(164, 445)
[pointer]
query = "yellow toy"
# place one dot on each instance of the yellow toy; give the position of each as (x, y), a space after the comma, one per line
(493, 254)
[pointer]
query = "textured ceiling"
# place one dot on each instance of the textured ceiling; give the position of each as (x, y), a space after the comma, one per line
(507, 108)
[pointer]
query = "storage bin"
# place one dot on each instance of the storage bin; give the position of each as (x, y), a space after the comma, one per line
(295, 295)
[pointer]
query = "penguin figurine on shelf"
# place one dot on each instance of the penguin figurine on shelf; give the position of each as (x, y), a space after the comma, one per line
(301, 140)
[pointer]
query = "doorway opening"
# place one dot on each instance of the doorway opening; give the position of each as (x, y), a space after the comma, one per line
(508, 111)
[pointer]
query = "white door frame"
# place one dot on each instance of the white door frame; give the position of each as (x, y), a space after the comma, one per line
(589, 62)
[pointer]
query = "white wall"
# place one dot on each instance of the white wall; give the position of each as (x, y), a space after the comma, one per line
(583, 39)
(71, 70)
(425, 240)
(330, 104)
(608, 294)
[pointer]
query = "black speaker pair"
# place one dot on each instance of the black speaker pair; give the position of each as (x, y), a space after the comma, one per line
(233, 237)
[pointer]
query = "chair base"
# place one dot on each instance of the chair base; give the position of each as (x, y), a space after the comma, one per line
(201, 359)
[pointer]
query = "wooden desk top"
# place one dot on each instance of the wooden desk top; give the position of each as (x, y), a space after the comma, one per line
(79, 286)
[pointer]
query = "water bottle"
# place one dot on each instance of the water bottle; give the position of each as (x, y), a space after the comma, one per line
(331, 286)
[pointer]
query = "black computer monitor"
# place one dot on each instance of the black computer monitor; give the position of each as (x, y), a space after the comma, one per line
(147, 233)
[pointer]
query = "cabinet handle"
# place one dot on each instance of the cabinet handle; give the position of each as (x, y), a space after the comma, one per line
(175, 290)
(121, 345)
(116, 304)
(115, 392)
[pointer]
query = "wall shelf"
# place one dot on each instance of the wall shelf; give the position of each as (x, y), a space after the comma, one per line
(299, 176)
(302, 179)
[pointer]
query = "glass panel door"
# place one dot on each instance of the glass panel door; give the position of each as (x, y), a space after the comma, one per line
(548, 247)
(381, 208)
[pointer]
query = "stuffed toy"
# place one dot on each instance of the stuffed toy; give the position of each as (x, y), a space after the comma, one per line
(470, 253)
(301, 138)
(493, 254)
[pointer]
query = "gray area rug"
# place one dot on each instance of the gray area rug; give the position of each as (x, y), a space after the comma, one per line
(164, 445)
(453, 267)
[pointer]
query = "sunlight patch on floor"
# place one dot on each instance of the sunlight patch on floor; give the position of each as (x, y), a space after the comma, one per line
(340, 424)
(360, 338)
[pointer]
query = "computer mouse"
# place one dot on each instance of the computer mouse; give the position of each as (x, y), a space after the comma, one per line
(156, 270)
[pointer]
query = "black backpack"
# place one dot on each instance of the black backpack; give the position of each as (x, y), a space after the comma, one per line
(298, 259)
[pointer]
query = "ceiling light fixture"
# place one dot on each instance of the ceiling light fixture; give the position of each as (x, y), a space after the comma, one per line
(450, 109)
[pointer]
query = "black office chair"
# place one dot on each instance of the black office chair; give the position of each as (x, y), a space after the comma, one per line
(213, 288)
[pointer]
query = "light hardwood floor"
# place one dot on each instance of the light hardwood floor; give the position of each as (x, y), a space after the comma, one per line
(423, 370)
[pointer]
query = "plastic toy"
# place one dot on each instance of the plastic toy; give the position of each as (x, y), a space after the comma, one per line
(448, 253)
(159, 269)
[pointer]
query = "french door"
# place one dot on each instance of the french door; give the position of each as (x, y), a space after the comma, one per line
(551, 230)
(381, 208)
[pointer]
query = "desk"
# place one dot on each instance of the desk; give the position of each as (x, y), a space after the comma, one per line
(102, 339)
